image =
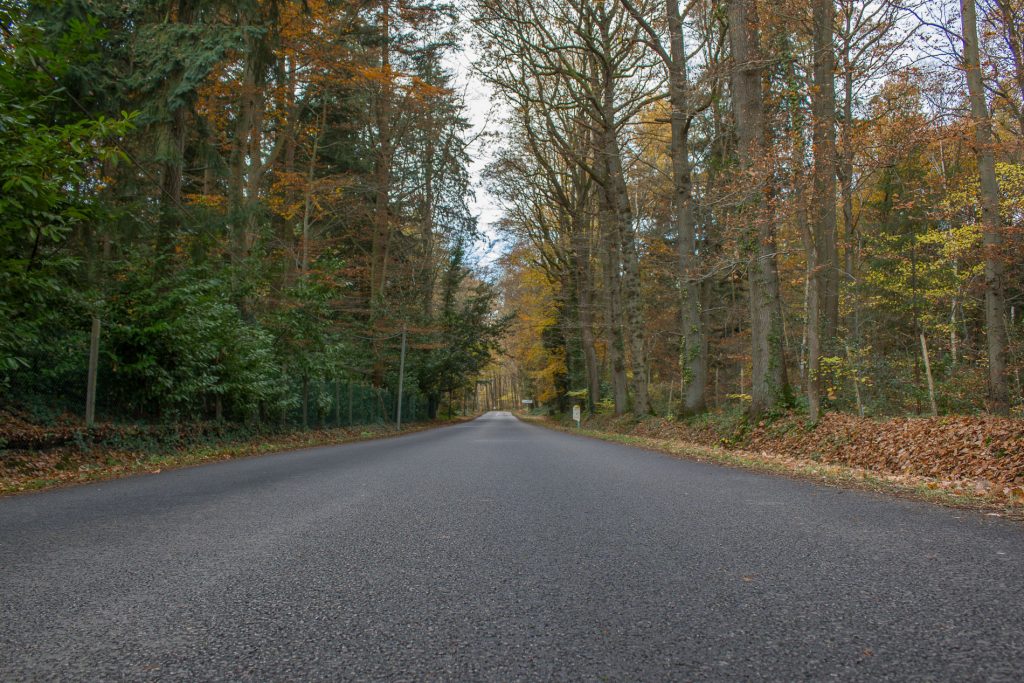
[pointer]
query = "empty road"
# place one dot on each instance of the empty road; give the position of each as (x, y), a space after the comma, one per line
(497, 550)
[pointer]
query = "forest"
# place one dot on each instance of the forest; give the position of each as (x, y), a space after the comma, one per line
(257, 209)
(250, 211)
(800, 206)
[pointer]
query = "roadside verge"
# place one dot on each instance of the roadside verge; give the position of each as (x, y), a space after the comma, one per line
(25, 470)
(1004, 501)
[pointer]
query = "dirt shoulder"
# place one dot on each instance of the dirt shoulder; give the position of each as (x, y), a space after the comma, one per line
(807, 453)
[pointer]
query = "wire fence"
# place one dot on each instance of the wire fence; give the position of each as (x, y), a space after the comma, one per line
(346, 404)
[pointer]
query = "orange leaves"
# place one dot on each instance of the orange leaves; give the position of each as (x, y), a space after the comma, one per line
(379, 75)
(291, 191)
(412, 89)
(211, 201)
(960, 448)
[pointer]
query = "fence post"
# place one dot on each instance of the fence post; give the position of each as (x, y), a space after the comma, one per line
(90, 386)
(305, 402)
(401, 383)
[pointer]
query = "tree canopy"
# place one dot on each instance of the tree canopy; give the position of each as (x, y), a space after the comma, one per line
(254, 198)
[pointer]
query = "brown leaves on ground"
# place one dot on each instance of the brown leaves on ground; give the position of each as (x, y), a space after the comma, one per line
(36, 456)
(977, 448)
(982, 455)
(19, 432)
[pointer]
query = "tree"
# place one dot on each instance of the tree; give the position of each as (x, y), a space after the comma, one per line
(469, 332)
(684, 107)
(769, 385)
(990, 217)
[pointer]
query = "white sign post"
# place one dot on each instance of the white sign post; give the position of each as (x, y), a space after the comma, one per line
(576, 415)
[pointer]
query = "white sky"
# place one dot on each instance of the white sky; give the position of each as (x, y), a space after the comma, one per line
(477, 95)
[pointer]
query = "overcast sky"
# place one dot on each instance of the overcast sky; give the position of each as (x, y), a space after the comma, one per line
(477, 96)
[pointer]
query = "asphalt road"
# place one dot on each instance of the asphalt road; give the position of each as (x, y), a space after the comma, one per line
(496, 550)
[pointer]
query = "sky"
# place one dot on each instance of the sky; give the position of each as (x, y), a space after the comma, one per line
(479, 111)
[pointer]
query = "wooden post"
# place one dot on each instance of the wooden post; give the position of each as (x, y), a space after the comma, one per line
(349, 403)
(928, 373)
(337, 403)
(90, 386)
(305, 402)
(401, 383)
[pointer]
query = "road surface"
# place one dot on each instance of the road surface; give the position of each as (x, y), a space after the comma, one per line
(497, 550)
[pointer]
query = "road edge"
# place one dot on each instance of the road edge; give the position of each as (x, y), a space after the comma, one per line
(259, 446)
(920, 489)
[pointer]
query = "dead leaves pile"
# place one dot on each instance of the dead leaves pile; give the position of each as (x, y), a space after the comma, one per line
(19, 432)
(37, 456)
(983, 450)
(975, 455)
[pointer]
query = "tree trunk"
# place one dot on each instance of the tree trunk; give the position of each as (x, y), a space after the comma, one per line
(170, 182)
(307, 204)
(850, 259)
(995, 327)
(623, 217)
(585, 313)
(171, 148)
(694, 349)
(823, 107)
(382, 168)
(1011, 31)
(429, 260)
(613, 314)
(768, 372)
(814, 326)
(241, 148)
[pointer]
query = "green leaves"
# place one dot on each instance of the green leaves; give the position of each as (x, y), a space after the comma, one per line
(469, 331)
(172, 344)
(49, 173)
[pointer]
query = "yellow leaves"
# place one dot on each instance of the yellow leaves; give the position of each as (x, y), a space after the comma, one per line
(962, 197)
(954, 243)
(530, 293)
(546, 376)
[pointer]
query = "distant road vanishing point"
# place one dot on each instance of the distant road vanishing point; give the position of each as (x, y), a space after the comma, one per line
(498, 550)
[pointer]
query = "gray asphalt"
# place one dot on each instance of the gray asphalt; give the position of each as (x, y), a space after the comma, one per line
(497, 550)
